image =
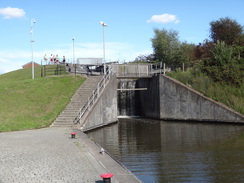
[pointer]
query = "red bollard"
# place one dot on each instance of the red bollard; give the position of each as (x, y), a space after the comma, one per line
(72, 135)
(106, 177)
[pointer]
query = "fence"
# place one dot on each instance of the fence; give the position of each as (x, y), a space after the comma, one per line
(131, 70)
(144, 70)
(49, 70)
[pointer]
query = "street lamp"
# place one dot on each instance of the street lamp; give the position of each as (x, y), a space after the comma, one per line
(104, 25)
(32, 44)
(73, 50)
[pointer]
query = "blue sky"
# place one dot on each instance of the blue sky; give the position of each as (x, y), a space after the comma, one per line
(129, 32)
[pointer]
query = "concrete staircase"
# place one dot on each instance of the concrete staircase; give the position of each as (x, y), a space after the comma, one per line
(66, 118)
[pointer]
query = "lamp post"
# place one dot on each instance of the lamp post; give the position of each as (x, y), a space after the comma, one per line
(73, 50)
(32, 45)
(104, 25)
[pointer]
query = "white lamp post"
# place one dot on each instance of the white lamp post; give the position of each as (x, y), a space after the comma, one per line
(32, 42)
(104, 25)
(73, 50)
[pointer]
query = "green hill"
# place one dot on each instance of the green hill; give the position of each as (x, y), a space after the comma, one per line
(27, 104)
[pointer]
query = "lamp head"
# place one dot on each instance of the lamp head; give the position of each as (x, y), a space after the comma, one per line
(103, 24)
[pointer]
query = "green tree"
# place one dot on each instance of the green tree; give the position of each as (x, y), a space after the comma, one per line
(227, 30)
(222, 66)
(166, 46)
(222, 54)
(186, 53)
(144, 58)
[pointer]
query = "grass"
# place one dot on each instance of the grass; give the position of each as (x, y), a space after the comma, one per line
(27, 104)
(231, 96)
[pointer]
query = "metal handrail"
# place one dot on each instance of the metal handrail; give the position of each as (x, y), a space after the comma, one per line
(95, 95)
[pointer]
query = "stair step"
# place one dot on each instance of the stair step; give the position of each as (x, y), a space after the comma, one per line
(79, 99)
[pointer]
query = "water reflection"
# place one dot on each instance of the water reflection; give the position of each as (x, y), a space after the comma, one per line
(157, 151)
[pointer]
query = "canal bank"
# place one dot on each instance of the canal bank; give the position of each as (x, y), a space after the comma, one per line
(51, 155)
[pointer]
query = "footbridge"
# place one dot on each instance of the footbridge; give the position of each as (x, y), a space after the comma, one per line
(136, 70)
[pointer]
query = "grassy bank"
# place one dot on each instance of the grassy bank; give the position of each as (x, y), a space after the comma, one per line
(28, 104)
(231, 96)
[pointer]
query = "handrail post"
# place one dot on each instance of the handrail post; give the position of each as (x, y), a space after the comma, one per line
(88, 104)
(93, 98)
(98, 89)
(164, 68)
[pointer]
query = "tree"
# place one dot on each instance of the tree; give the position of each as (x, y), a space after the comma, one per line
(144, 58)
(204, 50)
(227, 30)
(187, 54)
(166, 46)
(221, 66)
(222, 54)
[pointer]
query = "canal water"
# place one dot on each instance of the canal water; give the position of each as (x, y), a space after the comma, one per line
(160, 151)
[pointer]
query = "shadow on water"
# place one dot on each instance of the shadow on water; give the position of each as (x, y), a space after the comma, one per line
(159, 151)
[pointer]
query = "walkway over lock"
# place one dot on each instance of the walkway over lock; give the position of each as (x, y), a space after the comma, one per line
(135, 70)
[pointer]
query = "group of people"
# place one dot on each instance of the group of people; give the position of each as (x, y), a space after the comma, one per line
(53, 59)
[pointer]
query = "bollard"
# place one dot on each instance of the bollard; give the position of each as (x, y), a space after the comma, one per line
(72, 135)
(106, 177)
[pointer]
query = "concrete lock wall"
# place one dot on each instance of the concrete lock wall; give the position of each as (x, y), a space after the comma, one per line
(104, 111)
(149, 99)
(179, 102)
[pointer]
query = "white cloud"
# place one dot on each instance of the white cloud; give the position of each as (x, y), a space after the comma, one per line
(9, 13)
(164, 18)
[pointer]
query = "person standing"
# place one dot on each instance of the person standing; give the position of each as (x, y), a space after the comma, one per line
(54, 59)
(45, 58)
(51, 59)
(64, 59)
(57, 59)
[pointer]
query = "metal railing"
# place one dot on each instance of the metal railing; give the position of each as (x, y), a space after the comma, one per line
(136, 70)
(144, 70)
(95, 95)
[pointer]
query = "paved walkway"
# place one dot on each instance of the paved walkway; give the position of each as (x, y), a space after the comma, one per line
(50, 155)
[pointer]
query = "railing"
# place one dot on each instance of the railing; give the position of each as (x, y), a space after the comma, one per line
(137, 70)
(93, 98)
(143, 70)
(49, 70)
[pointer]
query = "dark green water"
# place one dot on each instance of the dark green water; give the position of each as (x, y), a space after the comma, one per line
(158, 151)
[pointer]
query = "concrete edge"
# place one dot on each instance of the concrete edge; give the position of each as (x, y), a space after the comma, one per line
(110, 164)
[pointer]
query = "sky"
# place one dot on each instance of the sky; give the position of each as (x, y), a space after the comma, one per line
(130, 27)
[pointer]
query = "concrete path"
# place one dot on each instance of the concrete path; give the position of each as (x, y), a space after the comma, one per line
(50, 155)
